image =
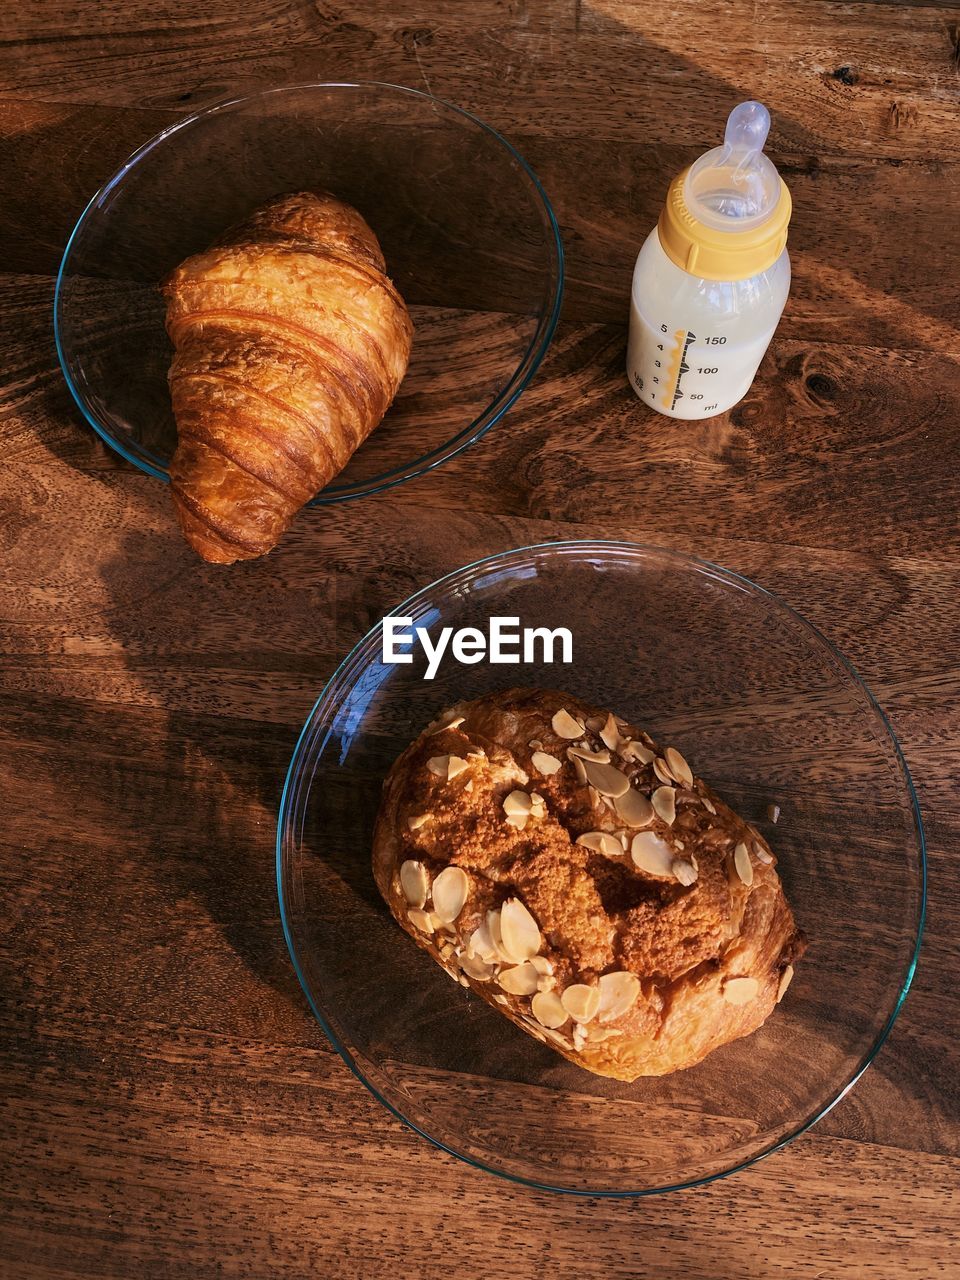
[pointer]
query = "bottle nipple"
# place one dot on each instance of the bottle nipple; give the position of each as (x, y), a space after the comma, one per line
(735, 187)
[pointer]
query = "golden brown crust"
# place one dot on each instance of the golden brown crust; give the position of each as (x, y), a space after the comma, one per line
(291, 343)
(688, 928)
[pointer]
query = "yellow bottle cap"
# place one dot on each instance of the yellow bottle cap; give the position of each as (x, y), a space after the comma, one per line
(716, 254)
(726, 217)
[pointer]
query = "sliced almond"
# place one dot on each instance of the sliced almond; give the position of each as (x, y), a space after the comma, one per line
(587, 753)
(579, 1037)
(773, 812)
(740, 990)
(481, 944)
(455, 723)
(708, 805)
(476, 968)
(610, 846)
(517, 804)
(493, 926)
(547, 1008)
(684, 871)
(535, 744)
(636, 750)
(519, 808)
(678, 766)
(414, 882)
(522, 980)
(601, 842)
(469, 787)
(450, 891)
(447, 766)
(500, 999)
(608, 780)
(581, 1001)
(519, 931)
(662, 772)
(546, 982)
(417, 820)
(664, 801)
(785, 979)
(651, 854)
(542, 964)
(610, 734)
(538, 806)
(634, 808)
(421, 920)
(594, 723)
(545, 763)
(618, 994)
(741, 860)
(579, 770)
(564, 725)
(762, 854)
(597, 1035)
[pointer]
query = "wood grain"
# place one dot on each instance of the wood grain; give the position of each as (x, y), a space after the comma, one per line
(170, 1107)
(852, 79)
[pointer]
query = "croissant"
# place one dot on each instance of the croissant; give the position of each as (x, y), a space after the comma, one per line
(290, 344)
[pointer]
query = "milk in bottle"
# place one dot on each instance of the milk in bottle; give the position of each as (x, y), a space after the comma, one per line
(712, 278)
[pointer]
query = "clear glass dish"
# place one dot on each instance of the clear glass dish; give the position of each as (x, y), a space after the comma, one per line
(467, 231)
(768, 712)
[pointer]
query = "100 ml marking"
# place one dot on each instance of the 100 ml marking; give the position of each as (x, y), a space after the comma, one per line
(505, 642)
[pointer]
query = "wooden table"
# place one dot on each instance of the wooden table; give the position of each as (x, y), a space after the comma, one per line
(170, 1107)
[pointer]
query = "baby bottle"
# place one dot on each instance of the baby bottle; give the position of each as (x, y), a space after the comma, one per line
(712, 278)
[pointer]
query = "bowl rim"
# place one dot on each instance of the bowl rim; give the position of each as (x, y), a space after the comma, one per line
(463, 439)
(289, 809)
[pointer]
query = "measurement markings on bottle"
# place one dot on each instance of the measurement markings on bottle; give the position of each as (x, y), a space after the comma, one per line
(671, 371)
(682, 340)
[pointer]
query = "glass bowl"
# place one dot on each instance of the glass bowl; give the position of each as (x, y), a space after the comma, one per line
(769, 713)
(466, 229)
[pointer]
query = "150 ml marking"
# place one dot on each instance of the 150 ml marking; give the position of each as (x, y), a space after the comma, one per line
(505, 642)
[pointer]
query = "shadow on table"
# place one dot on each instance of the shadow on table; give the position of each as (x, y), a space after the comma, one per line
(233, 657)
